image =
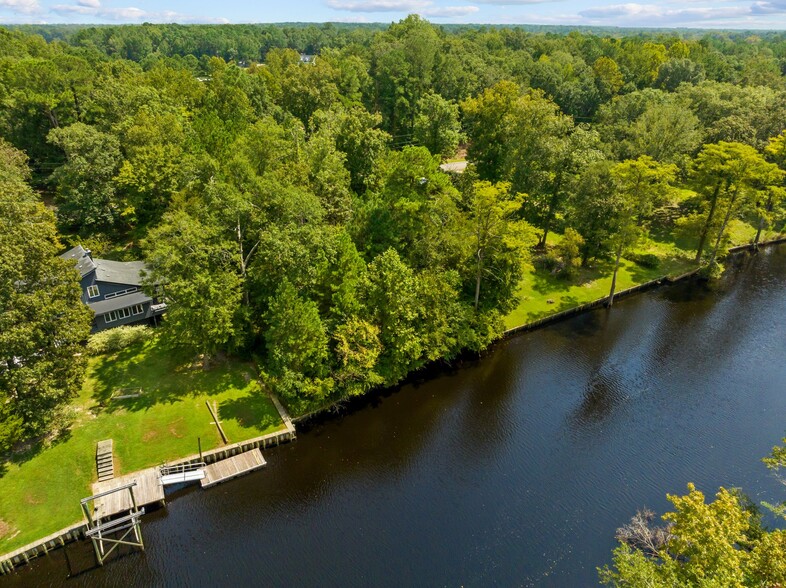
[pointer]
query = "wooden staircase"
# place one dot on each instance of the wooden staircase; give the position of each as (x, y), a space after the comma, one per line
(105, 462)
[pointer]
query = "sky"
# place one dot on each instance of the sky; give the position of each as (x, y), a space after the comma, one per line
(736, 14)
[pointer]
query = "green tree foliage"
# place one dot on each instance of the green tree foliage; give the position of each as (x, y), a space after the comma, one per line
(650, 123)
(86, 193)
(42, 319)
(391, 298)
(436, 125)
(679, 71)
(715, 544)
(638, 186)
(295, 336)
(403, 64)
(203, 289)
(241, 168)
(486, 120)
(609, 79)
(727, 175)
(494, 247)
(569, 251)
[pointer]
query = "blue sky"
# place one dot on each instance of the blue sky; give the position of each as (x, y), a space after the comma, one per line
(757, 14)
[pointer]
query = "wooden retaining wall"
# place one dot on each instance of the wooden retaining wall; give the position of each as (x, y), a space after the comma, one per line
(269, 440)
(752, 247)
(214, 455)
(54, 541)
(561, 316)
(77, 531)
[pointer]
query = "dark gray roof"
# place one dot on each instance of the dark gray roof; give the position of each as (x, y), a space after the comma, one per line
(119, 272)
(105, 306)
(84, 263)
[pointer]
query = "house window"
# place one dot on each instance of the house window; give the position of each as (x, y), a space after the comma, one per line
(116, 315)
(92, 291)
(120, 293)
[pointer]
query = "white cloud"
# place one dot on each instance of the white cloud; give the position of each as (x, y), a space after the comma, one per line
(21, 6)
(517, 2)
(422, 7)
(658, 15)
(94, 9)
(378, 5)
(449, 11)
(768, 7)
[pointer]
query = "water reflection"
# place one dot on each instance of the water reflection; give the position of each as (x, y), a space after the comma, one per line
(512, 470)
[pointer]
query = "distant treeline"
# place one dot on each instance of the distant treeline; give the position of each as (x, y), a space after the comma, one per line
(296, 211)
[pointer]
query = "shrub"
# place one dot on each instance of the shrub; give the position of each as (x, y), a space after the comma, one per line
(648, 260)
(548, 261)
(569, 250)
(113, 340)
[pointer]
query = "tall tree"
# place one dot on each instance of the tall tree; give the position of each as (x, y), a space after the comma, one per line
(486, 120)
(709, 544)
(638, 185)
(198, 264)
(42, 318)
(725, 173)
(775, 195)
(495, 247)
(85, 188)
(436, 125)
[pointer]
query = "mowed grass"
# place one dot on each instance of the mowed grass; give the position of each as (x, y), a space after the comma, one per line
(40, 490)
(542, 294)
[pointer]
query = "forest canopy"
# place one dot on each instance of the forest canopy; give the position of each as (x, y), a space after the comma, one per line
(284, 181)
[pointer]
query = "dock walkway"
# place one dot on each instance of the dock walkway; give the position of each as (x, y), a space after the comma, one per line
(232, 467)
(148, 490)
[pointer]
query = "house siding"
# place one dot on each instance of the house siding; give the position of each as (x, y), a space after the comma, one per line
(100, 324)
(104, 288)
(114, 291)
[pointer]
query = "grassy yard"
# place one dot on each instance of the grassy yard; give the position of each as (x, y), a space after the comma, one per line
(41, 490)
(542, 294)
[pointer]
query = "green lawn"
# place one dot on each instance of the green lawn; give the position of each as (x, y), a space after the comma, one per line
(41, 490)
(542, 294)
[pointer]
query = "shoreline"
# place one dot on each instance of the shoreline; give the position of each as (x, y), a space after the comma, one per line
(76, 531)
(23, 555)
(664, 280)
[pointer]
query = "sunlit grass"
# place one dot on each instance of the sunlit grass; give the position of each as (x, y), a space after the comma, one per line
(41, 490)
(542, 294)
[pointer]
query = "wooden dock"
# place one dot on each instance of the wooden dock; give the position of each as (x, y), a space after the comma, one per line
(148, 490)
(235, 466)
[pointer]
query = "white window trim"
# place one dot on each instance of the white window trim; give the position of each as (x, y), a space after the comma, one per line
(121, 293)
(97, 291)
(122, 313)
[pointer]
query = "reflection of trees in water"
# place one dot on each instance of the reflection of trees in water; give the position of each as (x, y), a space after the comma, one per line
(603, 394)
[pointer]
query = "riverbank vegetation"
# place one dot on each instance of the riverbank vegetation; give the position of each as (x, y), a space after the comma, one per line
(721, 543)
(151, 402)
(296, 211)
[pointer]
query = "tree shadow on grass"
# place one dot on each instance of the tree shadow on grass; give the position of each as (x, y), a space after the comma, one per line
(151, 374)
(544, 282)
(252, 411)
(27, 450)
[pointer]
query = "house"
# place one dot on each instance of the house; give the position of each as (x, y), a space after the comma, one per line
(113, 290)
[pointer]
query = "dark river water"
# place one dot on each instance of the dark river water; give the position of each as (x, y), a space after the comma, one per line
(514, 470)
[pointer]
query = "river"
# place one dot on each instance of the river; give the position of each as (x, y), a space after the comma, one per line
(513, 470)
